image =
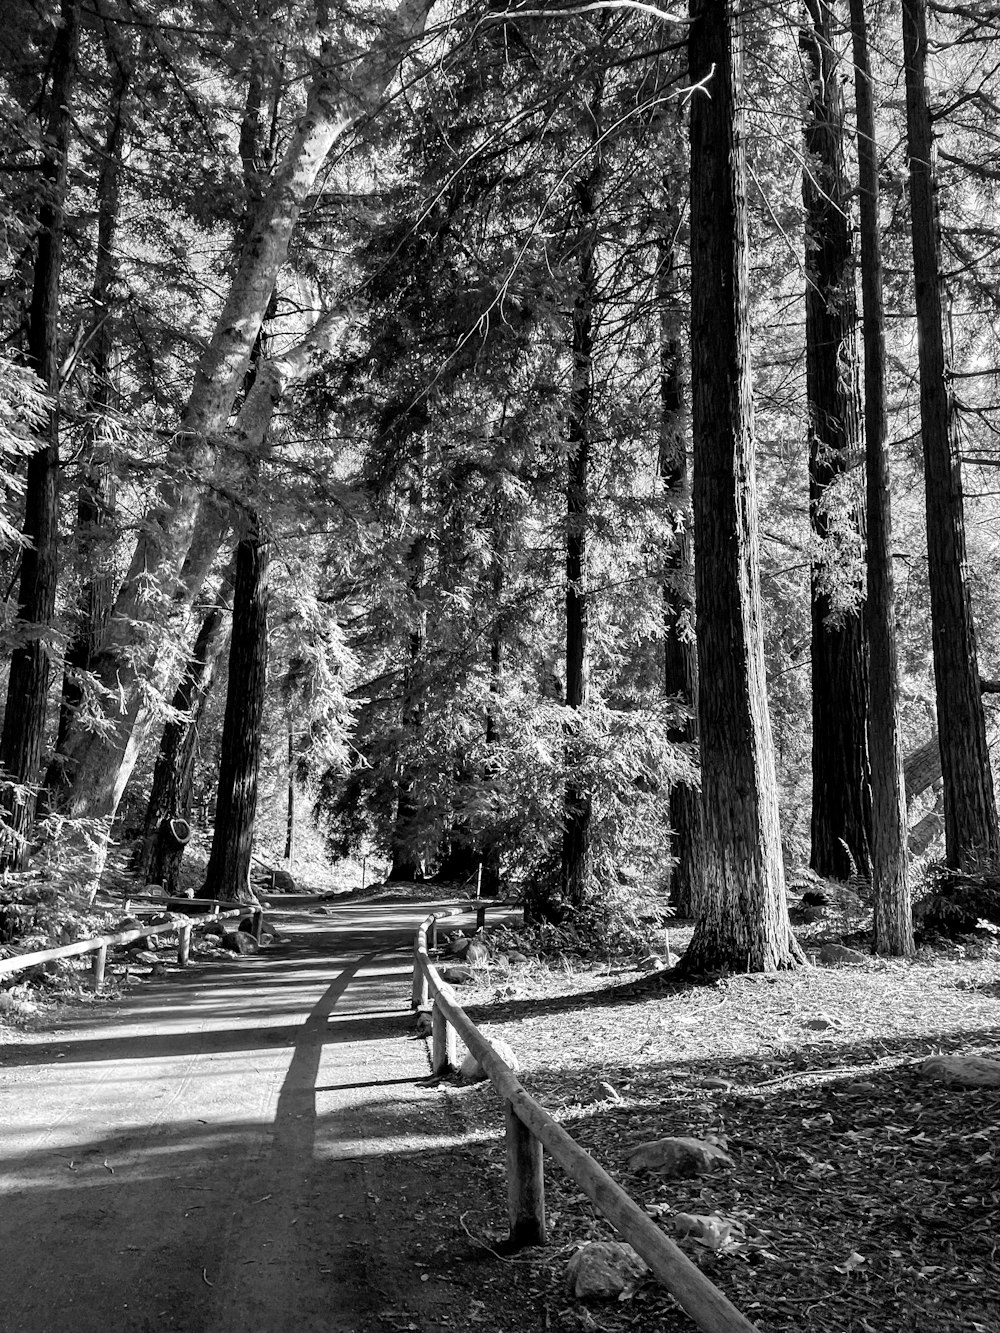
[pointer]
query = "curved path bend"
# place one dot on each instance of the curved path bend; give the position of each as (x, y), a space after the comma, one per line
(230, 1149)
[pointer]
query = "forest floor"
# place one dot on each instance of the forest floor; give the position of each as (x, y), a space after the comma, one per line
(254, 1145)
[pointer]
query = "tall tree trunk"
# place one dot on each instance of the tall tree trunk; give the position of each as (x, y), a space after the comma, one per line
(893, 927)
(576, 862)
(184, 531)
(490, 885)
(970, 814)
(159, 855)
(742, 918)
(228, 873)
(23, 731)
(290, 815)
(680, 656)
(406, 860)
(841, 777)
(96, 491)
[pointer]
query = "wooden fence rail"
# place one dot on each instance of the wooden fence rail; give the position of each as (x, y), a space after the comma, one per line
(98, 945)
(529, 1128)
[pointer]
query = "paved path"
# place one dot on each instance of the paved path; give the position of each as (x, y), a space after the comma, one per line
(211, 1152)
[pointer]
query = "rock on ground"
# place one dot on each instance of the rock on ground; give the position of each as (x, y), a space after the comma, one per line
(679, 1157)
(238, 941)
(458, 975)
(839, 953)
(604, 1268)
(970, 1071)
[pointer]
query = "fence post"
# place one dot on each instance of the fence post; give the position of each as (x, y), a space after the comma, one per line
(525, 1183)
(481, 917)
(98, 965)
(183, 945)
(420, 991)
(444, 1044)
(432, 934)
(257, 923)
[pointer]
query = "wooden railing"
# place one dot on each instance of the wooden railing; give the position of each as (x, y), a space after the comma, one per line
(529, 1129)
(98, 945)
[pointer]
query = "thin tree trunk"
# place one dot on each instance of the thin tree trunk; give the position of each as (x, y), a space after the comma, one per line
(228, 873)
(741, 914)
(969, 805)
(290, 829)
(893, 927)
(23, 733)
(576, 863)
(182, 535)
(406, 861)
(841, 777)
(680, 656)
(490, 887)
(159, 856)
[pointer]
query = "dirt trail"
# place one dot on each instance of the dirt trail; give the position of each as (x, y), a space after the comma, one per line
(211, 1153)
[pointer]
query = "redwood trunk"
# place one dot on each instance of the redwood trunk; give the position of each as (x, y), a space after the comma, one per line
(159, 856)
(23, 733)
(841, 777)
(96, 493)
(970, 814)
(742, 920)
(680, 658)
(893, 927)
(576, 863)
(228, 873)
(406, 862)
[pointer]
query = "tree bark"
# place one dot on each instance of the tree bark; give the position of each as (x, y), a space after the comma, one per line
(290, 816)
(159, 856)
(893, 927)
(23, 733)
(184, 531)
(406, 860)
(742, 918)
(96, 491)
(576, 868)
(228, 873)
(680, 657)
(841, 777)
(969, 805)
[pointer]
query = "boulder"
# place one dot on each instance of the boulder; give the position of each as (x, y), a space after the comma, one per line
(471, 1071)
(477, 953)
(459, 975)
(284, 882)
(604, 1269)
(679, 1157)
(969, 1071)
(127, 923)
(839, 953)
(238, 941)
